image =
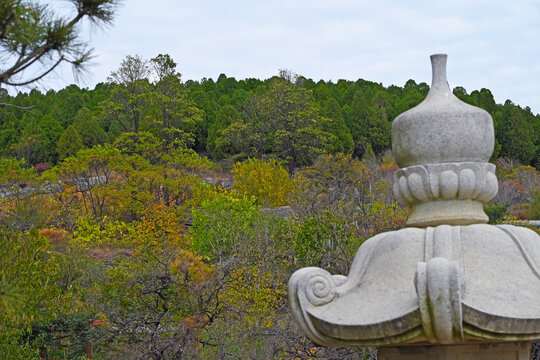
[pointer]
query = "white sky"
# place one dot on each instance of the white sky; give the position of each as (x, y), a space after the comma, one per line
(493, 44)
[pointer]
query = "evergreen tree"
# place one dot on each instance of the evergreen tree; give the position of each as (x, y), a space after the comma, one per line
(515, 135)
(335, 125)
(49, 132)
(69, 143)
(89, 129)
(226, 116)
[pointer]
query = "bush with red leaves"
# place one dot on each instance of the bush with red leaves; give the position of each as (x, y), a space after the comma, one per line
(41, 167)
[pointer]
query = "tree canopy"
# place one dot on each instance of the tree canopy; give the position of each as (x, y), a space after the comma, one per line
(287, 117)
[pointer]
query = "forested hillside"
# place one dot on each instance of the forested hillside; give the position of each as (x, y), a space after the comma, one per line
(286, 117)
(151, 218)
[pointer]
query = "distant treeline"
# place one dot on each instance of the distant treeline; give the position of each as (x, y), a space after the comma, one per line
(287, 117)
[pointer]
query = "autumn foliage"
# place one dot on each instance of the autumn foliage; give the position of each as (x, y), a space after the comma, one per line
(136, 255)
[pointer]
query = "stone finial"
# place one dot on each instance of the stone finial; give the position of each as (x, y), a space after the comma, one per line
(443, 146)
(442, 128)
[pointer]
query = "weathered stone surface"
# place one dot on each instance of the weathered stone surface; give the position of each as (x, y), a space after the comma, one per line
(503, 351)
(442, 128)
(446, 279)
(440, 285)
(448, 193)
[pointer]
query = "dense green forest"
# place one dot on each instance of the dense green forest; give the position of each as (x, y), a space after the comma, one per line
(286, 117)
(150, 218)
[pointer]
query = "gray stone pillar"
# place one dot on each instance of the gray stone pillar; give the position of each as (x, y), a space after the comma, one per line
(496, 351)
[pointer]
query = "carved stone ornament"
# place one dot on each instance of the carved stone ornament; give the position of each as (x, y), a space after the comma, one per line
(448, 278)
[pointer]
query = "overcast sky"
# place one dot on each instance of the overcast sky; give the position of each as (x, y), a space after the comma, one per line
(493, 44)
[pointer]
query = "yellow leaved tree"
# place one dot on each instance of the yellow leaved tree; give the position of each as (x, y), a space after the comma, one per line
(266, 180)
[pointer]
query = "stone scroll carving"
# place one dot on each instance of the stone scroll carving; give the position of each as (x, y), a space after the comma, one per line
(446, 289)
(438, 283)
